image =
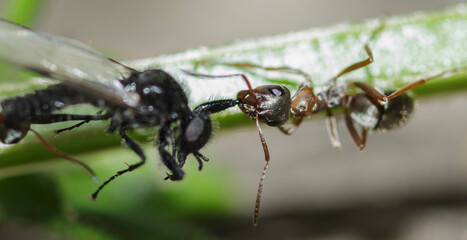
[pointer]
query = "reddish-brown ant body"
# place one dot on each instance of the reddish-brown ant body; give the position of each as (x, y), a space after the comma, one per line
(370, 109)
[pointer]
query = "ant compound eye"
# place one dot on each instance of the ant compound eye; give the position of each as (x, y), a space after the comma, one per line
(276, 91)
(194, 129)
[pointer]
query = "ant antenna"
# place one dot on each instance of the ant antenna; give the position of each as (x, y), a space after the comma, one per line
(263, 174)
(49, 147)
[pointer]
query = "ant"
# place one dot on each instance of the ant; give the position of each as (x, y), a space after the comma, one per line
(129, 98)
(370, 109)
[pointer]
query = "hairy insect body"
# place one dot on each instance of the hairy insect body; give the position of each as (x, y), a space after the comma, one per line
(18, 113)
(162, 99)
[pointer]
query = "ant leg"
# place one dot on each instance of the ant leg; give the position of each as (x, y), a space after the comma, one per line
(66, 156)
(263, 173)
(167, 159)
(368, 89)
(297, 120)
(357, 65)
(133, 146)
(360, 141)
(331, 126)
(422, 81)
(375, 95)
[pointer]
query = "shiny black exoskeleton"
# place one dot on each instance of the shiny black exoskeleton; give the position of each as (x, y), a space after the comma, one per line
(381, 116)
(162, 103)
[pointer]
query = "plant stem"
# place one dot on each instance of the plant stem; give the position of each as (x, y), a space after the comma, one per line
(406, 48)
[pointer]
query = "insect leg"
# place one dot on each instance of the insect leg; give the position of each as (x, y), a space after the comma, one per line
(360, 141)
(64, 155)
(297, 120)
(200, 157)
(133, 146)
(357, 65)
(368, 89)
(166, 157)
(375, 95)
(53, 118)
(71, 128)
(331, 126)
(422, 81)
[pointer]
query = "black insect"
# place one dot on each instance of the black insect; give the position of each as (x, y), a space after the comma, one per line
(370, 109)
(129, 98)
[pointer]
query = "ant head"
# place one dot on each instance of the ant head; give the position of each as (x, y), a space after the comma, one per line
(270, 102)
(396, 111)
(11, 133)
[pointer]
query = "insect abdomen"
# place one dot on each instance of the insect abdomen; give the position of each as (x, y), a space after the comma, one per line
(25, 108)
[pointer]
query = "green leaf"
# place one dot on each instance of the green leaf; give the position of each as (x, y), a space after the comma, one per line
(407, 48)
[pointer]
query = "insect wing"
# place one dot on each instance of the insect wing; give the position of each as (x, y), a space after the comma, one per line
(66, 60)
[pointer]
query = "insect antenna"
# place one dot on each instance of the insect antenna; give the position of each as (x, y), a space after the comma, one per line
(263, 174)
(132, 70)
(49, 147)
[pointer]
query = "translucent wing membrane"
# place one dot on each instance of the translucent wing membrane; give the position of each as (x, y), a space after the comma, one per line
(66, 60)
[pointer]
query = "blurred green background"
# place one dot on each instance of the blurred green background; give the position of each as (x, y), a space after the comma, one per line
(407, 184)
